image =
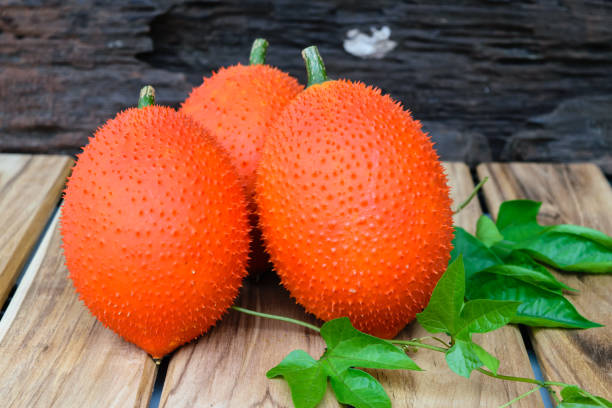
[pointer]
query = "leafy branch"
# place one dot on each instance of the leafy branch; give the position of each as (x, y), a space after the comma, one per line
(348, 348)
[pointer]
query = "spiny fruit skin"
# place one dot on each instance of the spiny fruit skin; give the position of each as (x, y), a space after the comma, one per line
(354, 207)
(237, 105)
(155, 228)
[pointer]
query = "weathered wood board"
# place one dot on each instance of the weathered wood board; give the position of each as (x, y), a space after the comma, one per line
(30, 187)
(528, 80)
(54, 353)
(574, 194)
(227, 366)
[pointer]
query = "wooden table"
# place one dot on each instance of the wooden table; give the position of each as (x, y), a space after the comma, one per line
(53, 353)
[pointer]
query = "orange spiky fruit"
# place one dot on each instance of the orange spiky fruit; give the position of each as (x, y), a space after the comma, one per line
(354, 205)
(238, 104)
(155, 228)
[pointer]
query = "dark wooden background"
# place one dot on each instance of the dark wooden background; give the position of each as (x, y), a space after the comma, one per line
(503, 80)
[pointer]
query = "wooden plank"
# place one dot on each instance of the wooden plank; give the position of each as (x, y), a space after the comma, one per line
(30, 187)
(576, 194)
(227, 366)
(54, 353)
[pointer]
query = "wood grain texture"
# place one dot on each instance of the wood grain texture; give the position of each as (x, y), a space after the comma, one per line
(54, 353)
(30, 187)
(226, 367)
(571, 194)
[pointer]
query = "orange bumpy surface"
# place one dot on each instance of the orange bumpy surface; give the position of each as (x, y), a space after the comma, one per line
(155, 228)
(354, 207)
(237, 105)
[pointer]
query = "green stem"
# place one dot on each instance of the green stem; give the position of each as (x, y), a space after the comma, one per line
(507, 404)
(439, 340)
(147, 97)
(314, 66)
(471, 196)
(276, 317)
(511, 378)
(258, 52)
(419, 345)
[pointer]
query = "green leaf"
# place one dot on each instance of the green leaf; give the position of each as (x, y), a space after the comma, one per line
(466, 356)
(517, 219)
(584, 232)
(520, 266)
(482, 315)
(566, 247)
(476, 255)
(569, 252)
(486, 358)
(575, 397)
(539, 307)
(359, 389)
(487, 232)
(442, 311)
(348, 347)
(306, 378)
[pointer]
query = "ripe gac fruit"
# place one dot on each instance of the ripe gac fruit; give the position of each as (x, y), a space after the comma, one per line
(354, 206)
(238, 104)
(155, 228)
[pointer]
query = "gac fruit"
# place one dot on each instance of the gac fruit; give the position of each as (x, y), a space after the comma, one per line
(155, 228)
(238, 104)
(354, 205)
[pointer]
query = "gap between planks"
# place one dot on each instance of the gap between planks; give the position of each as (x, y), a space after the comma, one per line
(576, 194)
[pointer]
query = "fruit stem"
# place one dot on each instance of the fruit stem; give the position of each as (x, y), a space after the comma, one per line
(258, 52)
(147, 96)
(276, 317)
(314, 66)
(418, 344)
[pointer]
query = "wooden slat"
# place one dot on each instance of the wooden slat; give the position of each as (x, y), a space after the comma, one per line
(227, 366)
(30, 187)
(576, 194)
(53, 353)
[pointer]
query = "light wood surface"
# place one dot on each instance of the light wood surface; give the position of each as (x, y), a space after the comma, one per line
(226, 367)
(575, 194)
(53, 353)
(30, 187)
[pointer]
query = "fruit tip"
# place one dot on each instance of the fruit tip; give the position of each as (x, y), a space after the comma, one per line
(315, 68)
(258, 51)
(147, 96)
